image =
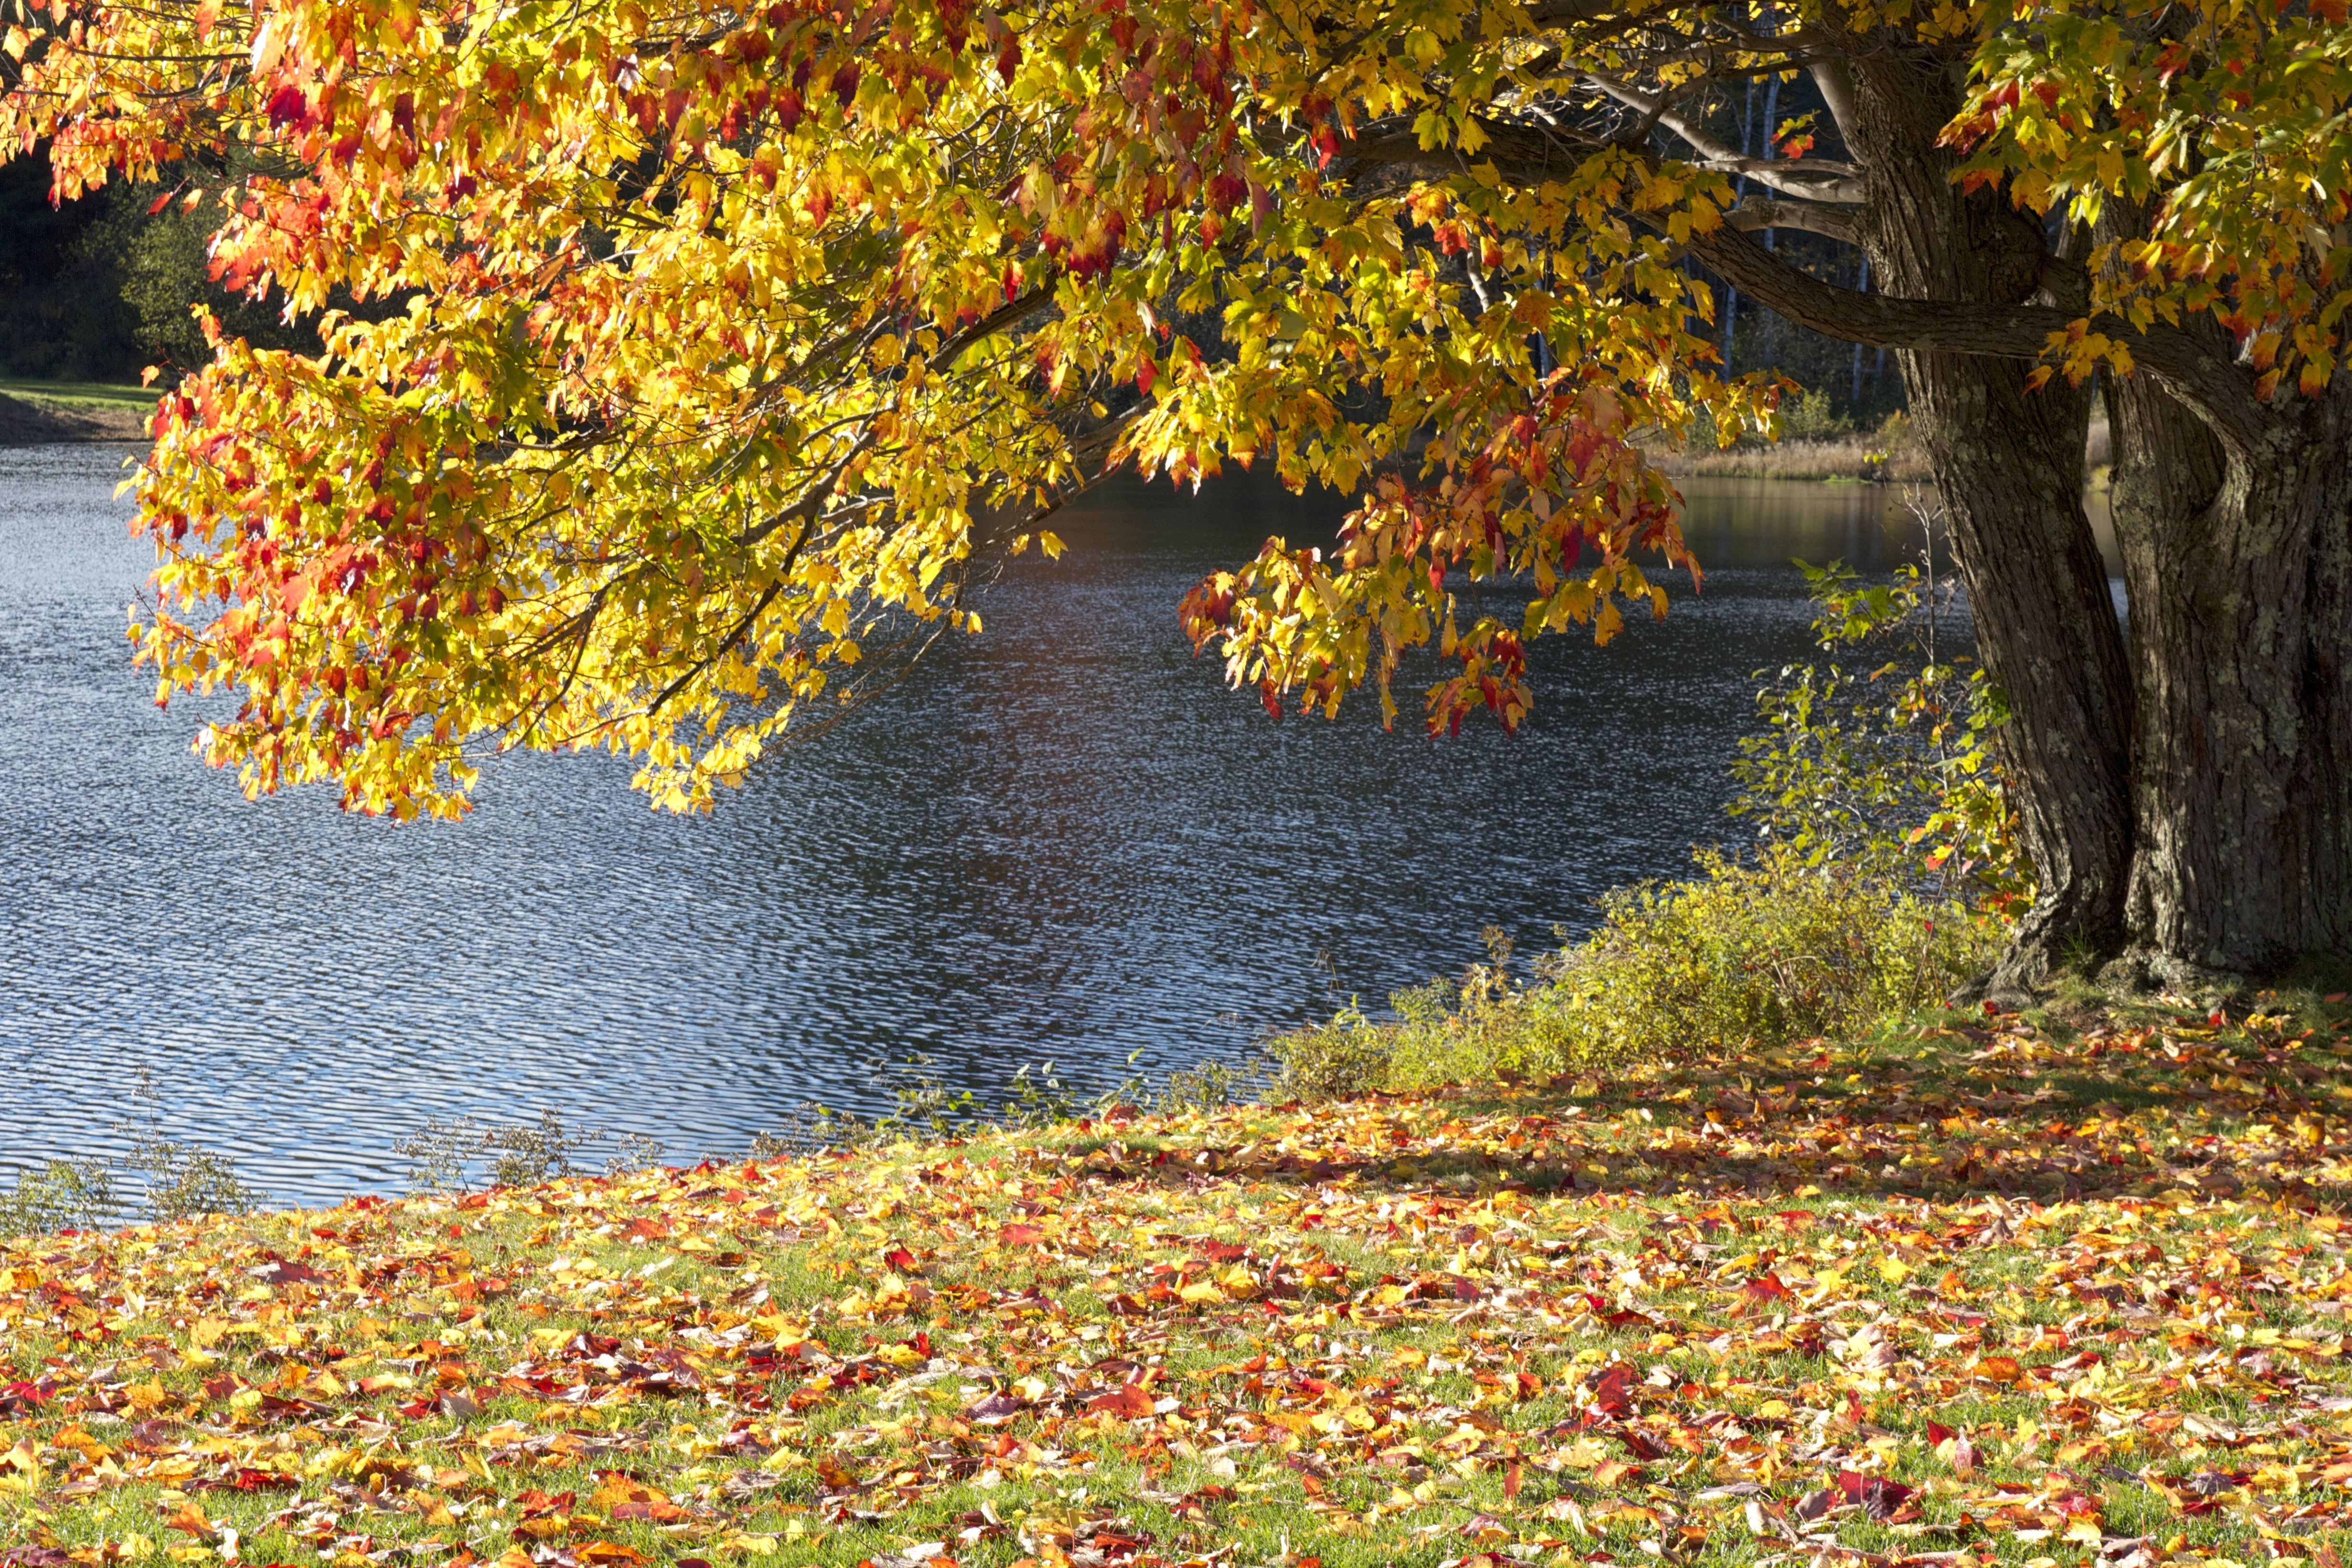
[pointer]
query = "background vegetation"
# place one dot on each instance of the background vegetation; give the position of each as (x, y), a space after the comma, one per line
(98, 290)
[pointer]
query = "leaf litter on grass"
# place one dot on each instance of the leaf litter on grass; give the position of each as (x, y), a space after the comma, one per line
(1985, 1295)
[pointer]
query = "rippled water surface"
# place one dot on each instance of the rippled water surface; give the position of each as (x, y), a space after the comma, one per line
(1063, 840)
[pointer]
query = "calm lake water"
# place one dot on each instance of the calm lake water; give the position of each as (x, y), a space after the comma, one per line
(1063, 840)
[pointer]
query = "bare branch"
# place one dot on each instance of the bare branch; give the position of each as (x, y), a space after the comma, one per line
(1762, 213)
(1815, 179)
(1836, 78)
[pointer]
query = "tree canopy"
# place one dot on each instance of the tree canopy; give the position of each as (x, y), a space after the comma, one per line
(684, 363)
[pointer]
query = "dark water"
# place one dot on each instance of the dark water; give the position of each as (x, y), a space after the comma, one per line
(1063, 839)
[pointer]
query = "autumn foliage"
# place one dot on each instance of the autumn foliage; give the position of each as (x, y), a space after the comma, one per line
(682, 366)
(1986, 1296)
(687, 369)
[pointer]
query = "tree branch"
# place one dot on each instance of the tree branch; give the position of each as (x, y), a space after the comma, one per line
(1815, 179)
(2189, 369)
(1761, 213)
(1836, 78)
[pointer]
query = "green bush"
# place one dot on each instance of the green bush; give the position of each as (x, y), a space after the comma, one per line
(1887, 863)
(1810, 416)
(1894, 768)
(175, 1180)
(1750, 955)
(67, 1194)
(1743, 956)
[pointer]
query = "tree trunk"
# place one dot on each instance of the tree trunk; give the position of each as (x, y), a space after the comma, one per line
(2008, 463)
(2188, 804)
(2238, 555)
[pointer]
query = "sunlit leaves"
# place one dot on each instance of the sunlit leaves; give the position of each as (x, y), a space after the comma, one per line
(2025, 1294)
(683, 365)
(2226, 123)
(1525, 504)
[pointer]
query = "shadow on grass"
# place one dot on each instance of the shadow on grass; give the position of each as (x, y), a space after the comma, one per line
(1970, 1113)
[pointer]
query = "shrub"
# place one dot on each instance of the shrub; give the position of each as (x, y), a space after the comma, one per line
(1885, 866)
(1809, 417)
(1758, 954)
(1744, 956)
(66, 1195)
(442, 1154)
(175, 1180)
(1895, 767)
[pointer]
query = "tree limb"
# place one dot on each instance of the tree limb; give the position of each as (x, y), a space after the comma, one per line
(2188, 368)
(1836, 78)
(1762, 213)
(1818, 180)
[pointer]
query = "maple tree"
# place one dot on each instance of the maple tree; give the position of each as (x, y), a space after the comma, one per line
(1686, 1314)
(685, 364)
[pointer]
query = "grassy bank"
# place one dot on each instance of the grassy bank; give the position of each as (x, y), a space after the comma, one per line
(83, 396)
(1957, 1296)
(1854, 458)
(1891, 454)
(38, 413)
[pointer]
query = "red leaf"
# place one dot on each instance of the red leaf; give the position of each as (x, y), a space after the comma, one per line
(1878, 1496)
(1610, 1391)
(1127, 1400)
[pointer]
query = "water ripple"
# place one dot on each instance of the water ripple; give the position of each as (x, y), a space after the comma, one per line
(1063, 840)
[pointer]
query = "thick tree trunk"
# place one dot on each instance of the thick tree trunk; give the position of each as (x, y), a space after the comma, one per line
(2238, 555)
(2008, 463)
(2188, 804)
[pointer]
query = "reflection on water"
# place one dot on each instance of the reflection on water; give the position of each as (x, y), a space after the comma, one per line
(1063, 839)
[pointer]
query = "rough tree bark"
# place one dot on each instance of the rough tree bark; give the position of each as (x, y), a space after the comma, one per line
(2190, 809)
(2187, 802)
(2008, 460)
(2238, 558)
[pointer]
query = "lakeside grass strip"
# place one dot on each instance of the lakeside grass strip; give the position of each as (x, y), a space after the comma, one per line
(84, 394)
(1974, 1298)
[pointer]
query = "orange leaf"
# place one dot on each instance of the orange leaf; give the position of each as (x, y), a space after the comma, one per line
(611, 1552)
(1128, 1400)
(191, 1518)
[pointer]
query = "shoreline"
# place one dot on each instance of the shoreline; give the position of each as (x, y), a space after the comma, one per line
(37, 422)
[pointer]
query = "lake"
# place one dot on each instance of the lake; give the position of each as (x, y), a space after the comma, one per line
(1063, 840)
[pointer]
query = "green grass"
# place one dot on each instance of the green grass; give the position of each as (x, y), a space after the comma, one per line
(2106, 1250)
(94, 395)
